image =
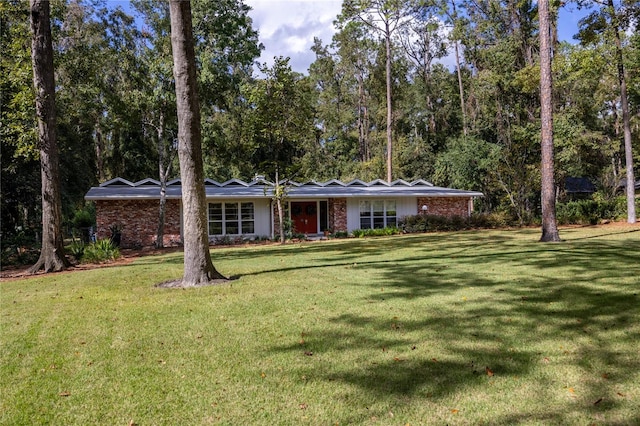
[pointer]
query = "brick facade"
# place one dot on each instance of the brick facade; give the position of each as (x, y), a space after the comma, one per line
(139, 221)
(445, 206)
(337, 214)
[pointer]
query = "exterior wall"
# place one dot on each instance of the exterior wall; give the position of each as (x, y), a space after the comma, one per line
(337, 214)
(139, 221)
(139, 218)
(446, 206)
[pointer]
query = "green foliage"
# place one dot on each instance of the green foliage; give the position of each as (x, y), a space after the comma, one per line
(83, 218)
(76, 249)
(19, 249)
(101, 251)
(592, 211)
(378, 232)
(433, 223)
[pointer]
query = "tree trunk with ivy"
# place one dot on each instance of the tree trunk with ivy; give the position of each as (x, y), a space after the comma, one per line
(52, 256)
(198, 267)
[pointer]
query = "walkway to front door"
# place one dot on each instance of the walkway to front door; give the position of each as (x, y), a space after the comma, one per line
(304, 215)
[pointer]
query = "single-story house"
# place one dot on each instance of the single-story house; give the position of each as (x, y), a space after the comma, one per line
(237, 208)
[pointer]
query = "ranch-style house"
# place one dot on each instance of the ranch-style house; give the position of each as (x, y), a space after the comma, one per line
(246, 209)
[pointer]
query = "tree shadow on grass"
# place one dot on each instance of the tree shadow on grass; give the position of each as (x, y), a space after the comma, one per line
(548, 296)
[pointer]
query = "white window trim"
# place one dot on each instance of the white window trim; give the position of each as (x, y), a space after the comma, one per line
(224, 217)
(371, 216)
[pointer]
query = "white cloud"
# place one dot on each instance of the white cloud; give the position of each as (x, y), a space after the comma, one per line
(287, 28)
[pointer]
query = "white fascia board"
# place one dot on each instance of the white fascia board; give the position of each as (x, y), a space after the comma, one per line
(117, 181)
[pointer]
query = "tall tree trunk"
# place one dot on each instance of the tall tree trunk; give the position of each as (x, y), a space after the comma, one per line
(389, 112)
(198, 268)
(549, 224)
(628, 151)
(52, 257)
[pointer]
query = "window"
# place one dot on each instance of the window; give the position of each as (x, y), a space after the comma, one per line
(376, 214)
(231, 218)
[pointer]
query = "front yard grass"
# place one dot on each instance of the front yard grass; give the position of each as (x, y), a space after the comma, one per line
(482, 327)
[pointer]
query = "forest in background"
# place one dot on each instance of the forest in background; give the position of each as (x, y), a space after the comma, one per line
(473, 126)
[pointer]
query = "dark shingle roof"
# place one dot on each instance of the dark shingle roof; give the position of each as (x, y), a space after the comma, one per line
(122, 189)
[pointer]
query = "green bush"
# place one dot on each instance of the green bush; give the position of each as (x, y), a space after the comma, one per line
(76, 249)
(340, 234)
(378, 232)
(590, 212)
(431, 223)
(100, 251)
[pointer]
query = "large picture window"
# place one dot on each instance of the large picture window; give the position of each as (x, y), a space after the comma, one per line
(231, 218)
(375, 214)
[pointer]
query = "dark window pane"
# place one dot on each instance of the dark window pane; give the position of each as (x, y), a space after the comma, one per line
(247, 211)
(247, 227)
(232, 228)
(231, 211)
(215, 228)
(215, 211)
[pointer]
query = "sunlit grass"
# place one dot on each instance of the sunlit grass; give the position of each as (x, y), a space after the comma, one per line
(397, 330)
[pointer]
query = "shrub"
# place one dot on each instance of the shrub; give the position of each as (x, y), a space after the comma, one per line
(100, 251)
(76, 249)
(583, 212)
(19, 249)
(378, 232)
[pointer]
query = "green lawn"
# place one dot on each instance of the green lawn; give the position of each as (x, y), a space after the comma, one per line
(388, 331)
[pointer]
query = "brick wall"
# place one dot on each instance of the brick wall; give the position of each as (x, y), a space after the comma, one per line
(446, 206)
(337, 214)
(139, 221)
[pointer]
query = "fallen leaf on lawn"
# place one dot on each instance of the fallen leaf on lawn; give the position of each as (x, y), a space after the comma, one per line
(396, 359)
(546, 360)
(132, 423)
(598, 401)
(65, 393)
(303, 406)
(454, 411)
(489, 371)
(434, 360)
(263, 375)
(605, 376)
(620, 394)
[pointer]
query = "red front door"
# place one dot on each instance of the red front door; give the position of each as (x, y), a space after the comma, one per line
(304, 216)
